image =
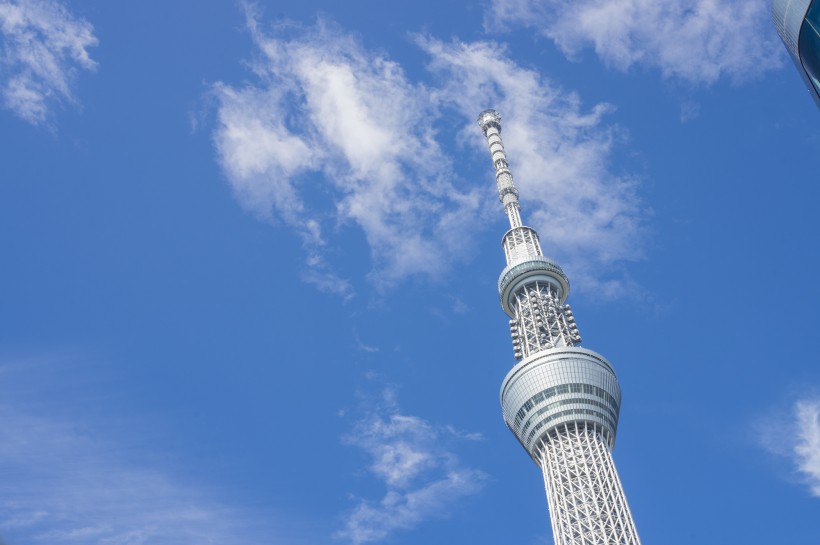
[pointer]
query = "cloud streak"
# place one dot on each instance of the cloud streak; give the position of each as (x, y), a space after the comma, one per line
(796, 437)
(64, 482)
(414, 460)
(588, 217)
(331, 120)
(332, 135)
(43, 48)
(696, 41)
(807, 447)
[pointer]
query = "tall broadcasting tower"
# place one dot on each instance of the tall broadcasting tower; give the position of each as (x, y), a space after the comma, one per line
(560, 401)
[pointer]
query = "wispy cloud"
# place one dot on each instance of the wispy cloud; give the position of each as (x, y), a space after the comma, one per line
(697, 41)
(422, 474)
(328, 119)
(43, 48)
(796, 436)
(333, 135)
(588, 217)
(807, 448)
(66, 481)
(367, 348)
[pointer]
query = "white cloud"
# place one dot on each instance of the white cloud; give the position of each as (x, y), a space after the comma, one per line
(587, 217)
(697, 41)
(796, 436)
(807, 448)
(333, 135)
(360, 345)
(328, 119)
(423, 477)
(43, 47)
(66, 481)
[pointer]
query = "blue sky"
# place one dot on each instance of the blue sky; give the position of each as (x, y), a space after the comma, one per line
(248, 256)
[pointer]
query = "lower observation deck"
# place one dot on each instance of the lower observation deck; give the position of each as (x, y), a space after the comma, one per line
(560, 386)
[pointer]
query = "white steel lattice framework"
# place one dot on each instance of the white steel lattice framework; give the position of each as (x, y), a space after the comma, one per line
(560, 401)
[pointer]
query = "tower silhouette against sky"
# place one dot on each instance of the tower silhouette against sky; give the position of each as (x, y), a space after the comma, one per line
(560, 401)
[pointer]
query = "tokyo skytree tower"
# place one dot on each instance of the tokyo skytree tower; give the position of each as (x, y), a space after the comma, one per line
(560, 401)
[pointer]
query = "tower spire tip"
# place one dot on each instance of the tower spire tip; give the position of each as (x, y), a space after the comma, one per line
(489, 118)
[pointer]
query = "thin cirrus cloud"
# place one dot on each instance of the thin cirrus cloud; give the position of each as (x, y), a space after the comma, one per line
(795, 436)
(44, 47)
(696, 41)
(331, 134)
(326, 109)
(416, 463)
(588, 217)
(807, 446)
(68, 481)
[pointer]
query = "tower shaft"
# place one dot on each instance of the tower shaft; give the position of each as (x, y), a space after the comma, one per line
(587, 502)
(561, 401)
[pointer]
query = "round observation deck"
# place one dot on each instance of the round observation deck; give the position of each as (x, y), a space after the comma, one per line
(560, 386)
(536, 268)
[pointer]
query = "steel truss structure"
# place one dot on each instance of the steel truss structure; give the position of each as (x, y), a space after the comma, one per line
(560, 401)
(540, 321)
(587, 502)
